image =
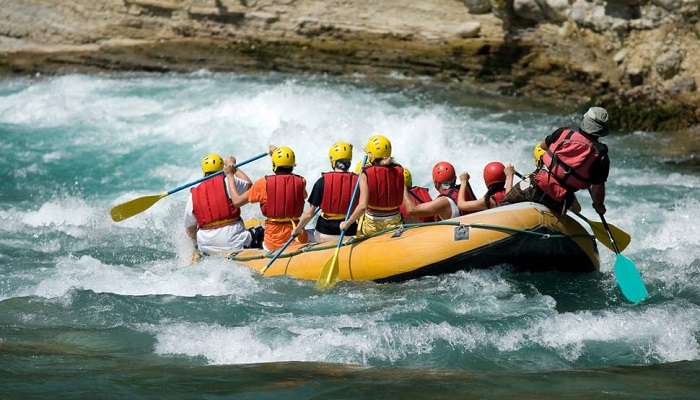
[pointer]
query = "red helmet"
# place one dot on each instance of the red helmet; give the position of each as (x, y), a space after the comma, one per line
(444, 172)
(493, 173)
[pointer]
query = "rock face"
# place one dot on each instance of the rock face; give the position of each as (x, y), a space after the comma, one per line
(639, 58)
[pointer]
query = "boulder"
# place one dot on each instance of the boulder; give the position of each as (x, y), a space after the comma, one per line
(670, 5)
(681, 84)
(528, 9)
(478, 6)
(669, 63)
(469, 29)
(556, 10)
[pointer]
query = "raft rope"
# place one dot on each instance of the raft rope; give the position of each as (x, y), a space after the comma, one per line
(357, 239)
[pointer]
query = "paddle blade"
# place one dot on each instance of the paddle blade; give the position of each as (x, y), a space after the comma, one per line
(329, 272)
(622, 238)
(133, 207)
(629, 280)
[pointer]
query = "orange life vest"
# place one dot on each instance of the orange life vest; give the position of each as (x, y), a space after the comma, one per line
(211, 206)
(453, 194)
(385, 184)
(285, 197)
(337, 191)
(418, 195)
(567, 165)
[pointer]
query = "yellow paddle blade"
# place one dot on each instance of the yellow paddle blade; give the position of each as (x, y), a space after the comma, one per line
(622, 238)
(130, 208)
(329, 272)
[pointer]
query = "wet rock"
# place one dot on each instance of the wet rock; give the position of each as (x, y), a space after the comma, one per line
(478, 6)
(669, 63)
(468, 30)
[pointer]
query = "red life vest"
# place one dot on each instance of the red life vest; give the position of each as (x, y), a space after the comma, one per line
(497, 197)
(285, 196)
(567, 165)
(337, 191)
(385, 185)
(211, 206)
(453, 194)
(418, 195)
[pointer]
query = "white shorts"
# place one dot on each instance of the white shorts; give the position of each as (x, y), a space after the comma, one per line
(223, 240)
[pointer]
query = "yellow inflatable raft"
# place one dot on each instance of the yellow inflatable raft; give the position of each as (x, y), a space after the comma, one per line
(525, 235)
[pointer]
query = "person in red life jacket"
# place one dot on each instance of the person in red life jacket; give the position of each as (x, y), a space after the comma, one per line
(498, 183)
(281, 198)
(573, 159)
(381, 190)
(213, 215)
(445, 205)
(332, 192)
(416, 195)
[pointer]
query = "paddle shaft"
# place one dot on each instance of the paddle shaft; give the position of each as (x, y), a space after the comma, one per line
(200, 180)
(328, 274)
(283, 248)
(607, 229)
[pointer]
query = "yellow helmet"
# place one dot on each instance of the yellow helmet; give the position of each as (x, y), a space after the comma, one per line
(283, 157)
(340, 151)
(211, 163)
(537, 154)
(407, 178)
(378, 146)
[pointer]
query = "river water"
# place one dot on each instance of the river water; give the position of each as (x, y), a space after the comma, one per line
(90, 308)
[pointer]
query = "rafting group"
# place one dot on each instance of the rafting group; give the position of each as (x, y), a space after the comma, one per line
(568, 160)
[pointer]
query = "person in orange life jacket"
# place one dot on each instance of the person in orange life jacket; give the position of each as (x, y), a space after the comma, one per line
(381, 190)
(281, 197)
(332, 192)
(499, 181)
(212, 217)
(571, 159)
(445, 205)
(416, 195)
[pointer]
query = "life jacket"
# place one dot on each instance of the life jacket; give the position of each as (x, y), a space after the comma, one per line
(385, 185)
(453, 194)
(497, 196)
(337, 191)
(211, 206)
(285, 197)
(418, 195)
(567, 164)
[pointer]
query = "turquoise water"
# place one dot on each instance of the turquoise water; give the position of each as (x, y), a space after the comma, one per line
(96, 309)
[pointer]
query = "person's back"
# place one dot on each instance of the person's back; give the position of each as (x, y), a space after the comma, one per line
(570, 159)
(381, 190)
(281, 197)
(212, 217)
(332, 192)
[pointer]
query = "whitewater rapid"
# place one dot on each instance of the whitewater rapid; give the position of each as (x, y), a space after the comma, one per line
(73, 146)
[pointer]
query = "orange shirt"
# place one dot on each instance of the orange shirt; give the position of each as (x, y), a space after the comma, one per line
(276, 233)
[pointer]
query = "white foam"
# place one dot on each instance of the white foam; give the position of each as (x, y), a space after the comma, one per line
(212, 277)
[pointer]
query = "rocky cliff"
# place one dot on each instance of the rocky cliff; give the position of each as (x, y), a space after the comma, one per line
(640, 58)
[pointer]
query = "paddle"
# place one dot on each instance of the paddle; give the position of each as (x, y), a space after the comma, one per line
(130, 208)
(629, 280)
(622, 238)
(283, 248)
(329, 272)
